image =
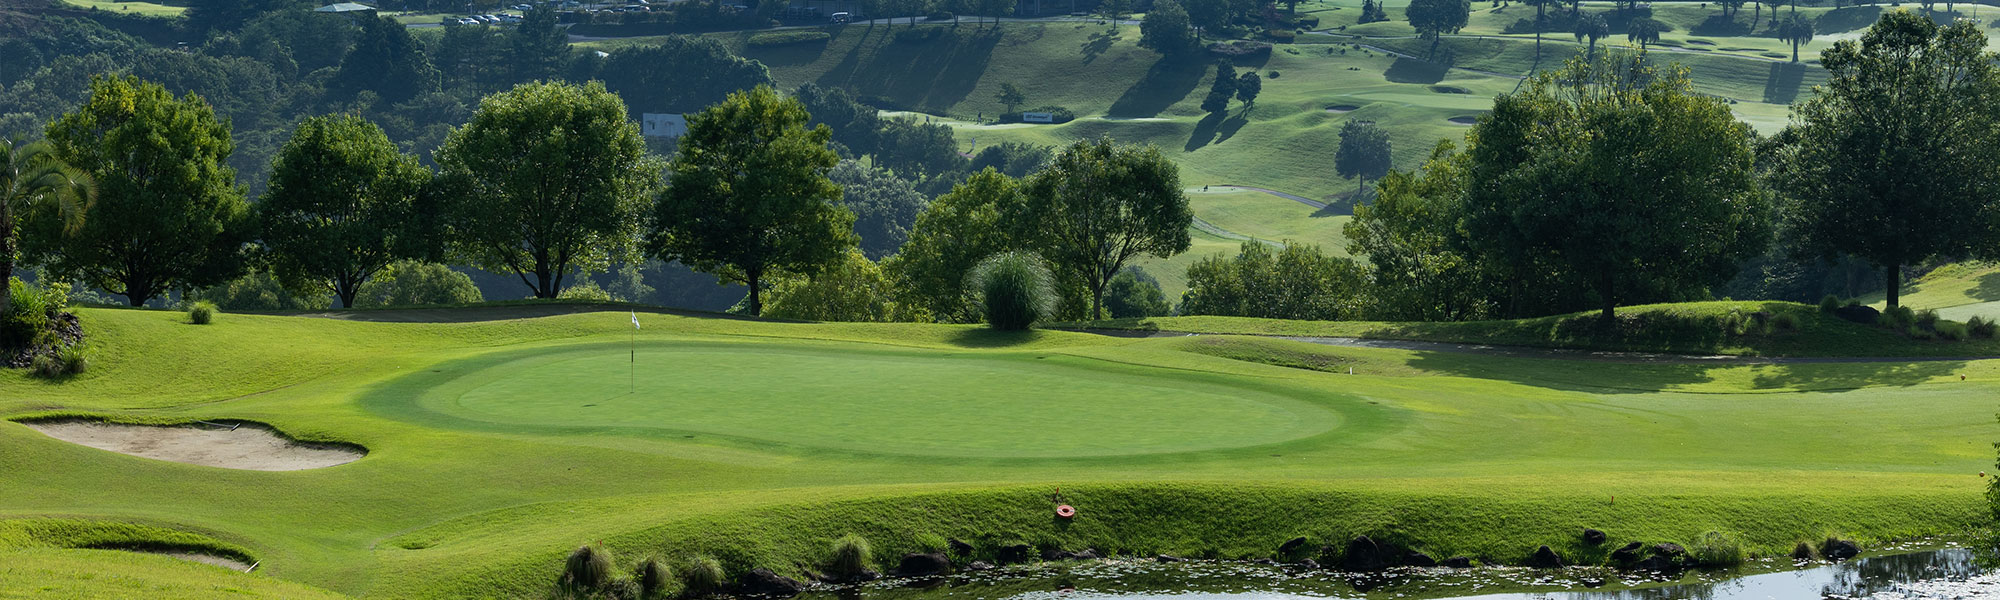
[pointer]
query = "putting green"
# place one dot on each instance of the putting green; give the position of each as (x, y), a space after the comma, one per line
(861, 399)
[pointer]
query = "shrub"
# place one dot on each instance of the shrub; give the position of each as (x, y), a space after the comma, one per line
(411, 283)
(68, 361)
(1132, 293)
(1950, 330)
(1308, 21)
(1282, 36)
(202, 312)
(1716, 549)
(767, 39)
(1014, 289)
(260, 291)
(1273, 74)
(1786, 321)
(702, 578)
(587, 570)
(26, 322)
(851, 557)
(1829, 304)
(586, 291)
(1980, 327)
(653, 577)
(1927, 318)
(1919, 333)
(1899, 317)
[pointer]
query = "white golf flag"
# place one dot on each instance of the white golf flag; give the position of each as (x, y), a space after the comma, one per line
(635, 319)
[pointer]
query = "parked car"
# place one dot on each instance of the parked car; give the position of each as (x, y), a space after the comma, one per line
(839, 17)
(523, 7)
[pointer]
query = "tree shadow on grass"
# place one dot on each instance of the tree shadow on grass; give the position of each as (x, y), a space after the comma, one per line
(1846, 19)
(1989, 288)
(1596, 375)
(1718, 25)
(1167, 82)
(1098, 44)
(1230, 126)
(1782, 85)
(1406, 70)
(987, 337)
(1204, 131)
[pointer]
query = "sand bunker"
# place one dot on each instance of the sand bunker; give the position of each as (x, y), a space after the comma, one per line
(1342, 108)
(206, 559)
(1463, 120)
(246, 446)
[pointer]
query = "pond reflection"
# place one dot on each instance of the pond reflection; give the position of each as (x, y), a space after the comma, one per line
(1948, 574)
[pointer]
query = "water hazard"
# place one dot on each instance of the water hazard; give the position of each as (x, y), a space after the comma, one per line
(1946, 574)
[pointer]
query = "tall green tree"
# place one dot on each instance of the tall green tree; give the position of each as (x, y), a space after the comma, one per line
(951, 236)
(1644, 31)
(1010, 96)
(168, 213)
(1099, 205)
(1295, 282)
(342, 204)
(1592, 27)
(32, 178)
(1363, 153)
(680, 74)
(1166, 29)
(1894, 160)
(1797, 30)
(749, 195)
(1615, 178)
(1247, 88)
(1419, 263)
(885, 206)
(1222, 89)
(547, 179)
(538, 46)
(1434, 18)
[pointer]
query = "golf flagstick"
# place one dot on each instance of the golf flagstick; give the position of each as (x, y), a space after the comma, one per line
(632, 358)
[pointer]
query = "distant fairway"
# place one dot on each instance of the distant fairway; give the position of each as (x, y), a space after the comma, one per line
(874, 401)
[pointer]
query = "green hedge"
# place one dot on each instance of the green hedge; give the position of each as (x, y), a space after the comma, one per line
(788, 37)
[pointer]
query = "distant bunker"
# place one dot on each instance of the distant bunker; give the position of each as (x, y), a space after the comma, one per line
(233, 445)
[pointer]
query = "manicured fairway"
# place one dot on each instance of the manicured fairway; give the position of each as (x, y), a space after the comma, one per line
(873, 401)
(758, 443)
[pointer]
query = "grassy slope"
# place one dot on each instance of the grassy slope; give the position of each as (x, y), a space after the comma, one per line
(147, 9)
(1957, 291)
(1678, 328)
(447, 505)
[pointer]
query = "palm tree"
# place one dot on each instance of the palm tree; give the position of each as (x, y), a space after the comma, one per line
(1797, 30)
(31, 176)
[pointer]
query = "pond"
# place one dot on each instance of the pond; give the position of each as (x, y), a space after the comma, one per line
(1935, 574)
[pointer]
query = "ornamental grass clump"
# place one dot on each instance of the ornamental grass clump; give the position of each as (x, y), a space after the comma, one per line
(852, 556)
(587, 570)
(202, 312)
(64, 362)
(1716, 549)
(653, 578)
(1829, 304)
(1980, 327)
(1014, 290)
(703, 577)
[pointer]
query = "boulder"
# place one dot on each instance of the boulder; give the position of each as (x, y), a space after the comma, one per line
(762, 582)
(1545, 558)
(1803, 551)
(979, 565)
(1593, 537)
(1656, 564)
(1458, 562)
(1838, 549)
(1671, 551)
(1419, 559)
(1291, 546)
(1858, 314)
(1364, 554)
(1168, 558)
(1014, 554)
(923, 565)
(1306, 564)
(1628, 554)
(1264, 561)
(959, 547)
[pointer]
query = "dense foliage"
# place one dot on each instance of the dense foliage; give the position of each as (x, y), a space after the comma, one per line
(1295, 282)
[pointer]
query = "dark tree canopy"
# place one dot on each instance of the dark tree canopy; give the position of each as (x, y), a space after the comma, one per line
(951, 236)
(1894, 160)
(885, 207)
(1295, 282)
(1099, 205)
(749, 195)
(342, 204)
(1167, 29)
(547, 179)
(1434, 18)
(1363, 154)
(681, 74)
(168, 214)
(385, 60)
